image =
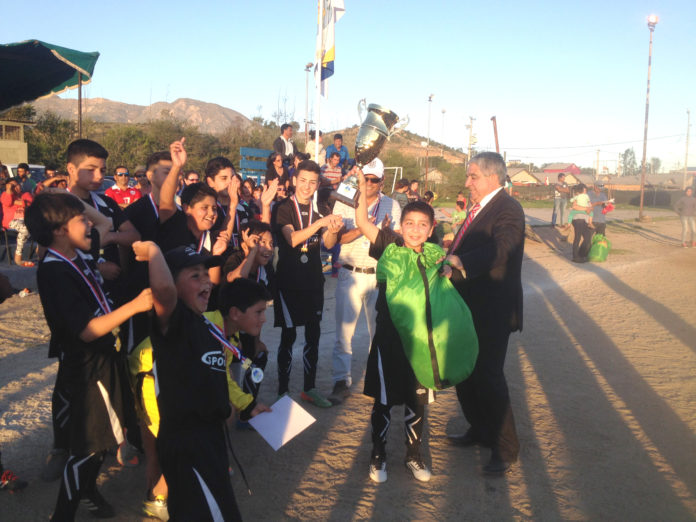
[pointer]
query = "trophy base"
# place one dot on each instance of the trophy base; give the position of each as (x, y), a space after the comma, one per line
(350, 201)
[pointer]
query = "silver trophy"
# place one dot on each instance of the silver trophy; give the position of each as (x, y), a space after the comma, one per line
(378, 125)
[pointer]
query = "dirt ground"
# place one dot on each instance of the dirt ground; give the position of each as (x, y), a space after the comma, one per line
(602, 381)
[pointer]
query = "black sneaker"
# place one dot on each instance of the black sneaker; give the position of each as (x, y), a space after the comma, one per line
(341, 391)
(11, 482)
(98, 506)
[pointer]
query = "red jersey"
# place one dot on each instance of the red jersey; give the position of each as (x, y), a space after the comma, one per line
(123, 196)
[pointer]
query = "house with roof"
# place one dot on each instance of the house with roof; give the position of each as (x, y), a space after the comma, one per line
(522, 176)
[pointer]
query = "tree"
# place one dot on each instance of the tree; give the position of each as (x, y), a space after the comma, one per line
(628, 162)
(48, 140)
(655, 165)
(25, 112)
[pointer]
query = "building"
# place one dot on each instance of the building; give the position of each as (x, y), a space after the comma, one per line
(522, 176)
(13, 148)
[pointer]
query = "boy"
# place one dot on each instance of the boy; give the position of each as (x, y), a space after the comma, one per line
(84, 329)
(300, 297)
(190, 373)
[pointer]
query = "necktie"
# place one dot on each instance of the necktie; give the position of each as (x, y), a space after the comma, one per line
(469, 218)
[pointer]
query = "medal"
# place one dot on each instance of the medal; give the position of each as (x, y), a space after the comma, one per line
(246, 364)
(304, 258)
(256, 375)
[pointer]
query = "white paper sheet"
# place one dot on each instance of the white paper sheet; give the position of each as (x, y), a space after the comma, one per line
(287, 420)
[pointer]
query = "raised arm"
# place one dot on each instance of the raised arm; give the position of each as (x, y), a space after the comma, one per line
(267, 196)
(161, 281)
(167, 206)
(362, 221)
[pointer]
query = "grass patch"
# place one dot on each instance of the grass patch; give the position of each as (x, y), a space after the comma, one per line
(619, 252)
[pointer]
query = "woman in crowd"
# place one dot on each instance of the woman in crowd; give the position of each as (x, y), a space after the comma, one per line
(276, 169)
(13, 204)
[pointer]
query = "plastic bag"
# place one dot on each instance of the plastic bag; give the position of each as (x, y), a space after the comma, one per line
(600, 248)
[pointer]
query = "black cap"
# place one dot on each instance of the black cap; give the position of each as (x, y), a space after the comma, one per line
(185, 256)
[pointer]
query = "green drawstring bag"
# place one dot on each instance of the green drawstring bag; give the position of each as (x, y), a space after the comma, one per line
(600, 248)
(433, 321)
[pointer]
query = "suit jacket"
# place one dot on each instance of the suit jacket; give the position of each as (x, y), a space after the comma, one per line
(279, 147)
(491, 251)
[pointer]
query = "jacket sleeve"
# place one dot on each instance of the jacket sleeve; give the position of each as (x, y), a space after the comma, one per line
(240, 400)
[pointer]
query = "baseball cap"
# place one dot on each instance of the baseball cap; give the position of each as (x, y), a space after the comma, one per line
(185, 256)
(374, 168)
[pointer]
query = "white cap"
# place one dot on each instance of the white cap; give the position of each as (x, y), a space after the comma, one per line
(374, 168)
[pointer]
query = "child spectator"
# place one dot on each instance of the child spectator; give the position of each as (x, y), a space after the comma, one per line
(399, 195)
(84, 328)
(14, 202)
(300, 299)
(190, 375)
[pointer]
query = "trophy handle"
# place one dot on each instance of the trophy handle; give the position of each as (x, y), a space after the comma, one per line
(399, 126)
(362, 109)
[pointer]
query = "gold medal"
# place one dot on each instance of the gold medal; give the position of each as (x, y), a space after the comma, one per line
(117, 340)
(246, 364)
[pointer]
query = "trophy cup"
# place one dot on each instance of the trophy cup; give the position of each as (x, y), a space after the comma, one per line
(379, 124)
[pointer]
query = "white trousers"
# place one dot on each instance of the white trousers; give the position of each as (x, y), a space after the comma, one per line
(354, 292)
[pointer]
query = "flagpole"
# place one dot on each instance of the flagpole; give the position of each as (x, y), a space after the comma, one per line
(317, 79)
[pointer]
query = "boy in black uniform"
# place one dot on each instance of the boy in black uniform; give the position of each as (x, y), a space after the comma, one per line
(389, 378)
(83, 326)
(191, 378)
(300, 298)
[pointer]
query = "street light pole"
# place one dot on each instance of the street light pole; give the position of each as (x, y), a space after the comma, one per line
(442, 135)
(427, 146)
(686, 158)
(307, 69)
(652, 22)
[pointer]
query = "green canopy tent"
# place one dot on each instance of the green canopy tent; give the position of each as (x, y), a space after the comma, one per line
(35, 69)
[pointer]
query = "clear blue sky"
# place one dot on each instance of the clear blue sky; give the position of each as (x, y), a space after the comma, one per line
(563, 78)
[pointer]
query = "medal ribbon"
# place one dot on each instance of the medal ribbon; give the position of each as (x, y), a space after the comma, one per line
(96, 290)
(154, 206)
(236, 238)
(220, 336)
(299, 217)
(201, 241)
(375, 209)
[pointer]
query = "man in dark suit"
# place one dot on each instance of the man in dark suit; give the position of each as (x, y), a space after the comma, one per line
(282, 144)
(486, 260)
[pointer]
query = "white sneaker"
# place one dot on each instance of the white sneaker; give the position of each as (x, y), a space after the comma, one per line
(378, 469)
(419, 470)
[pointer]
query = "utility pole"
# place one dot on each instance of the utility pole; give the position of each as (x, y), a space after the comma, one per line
(427, 147)
(471, 138)
(442, 135)
(686, 157)
(307, 69)
(652, 21)
(596, 177)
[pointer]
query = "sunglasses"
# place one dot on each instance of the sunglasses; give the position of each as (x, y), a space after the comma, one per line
(120, 174)
(374, 181)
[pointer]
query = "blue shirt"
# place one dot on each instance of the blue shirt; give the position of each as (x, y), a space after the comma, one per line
(343, 152)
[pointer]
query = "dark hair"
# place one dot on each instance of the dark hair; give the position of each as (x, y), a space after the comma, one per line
(78, 150)
(421, 207)
(312, 135)
(254, 226)
(460, 204)
(413, 181)
(428, 195)
(309, 166)
(215, 165)
(120, 167)
(189, 172)
(241, 293)
(338, 137)
(195, 192)
(580, 188)
(403, 182)
(154, 158)
(271, 158)
(23, 166)
(48, 213)
(560, 175)
(334, 154)
(284, 126)
(251, 181)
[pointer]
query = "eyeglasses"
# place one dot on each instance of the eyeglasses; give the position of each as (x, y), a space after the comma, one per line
(374, 181)
(119, 174)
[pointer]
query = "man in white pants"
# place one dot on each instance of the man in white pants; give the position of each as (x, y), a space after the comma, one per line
(356, 289)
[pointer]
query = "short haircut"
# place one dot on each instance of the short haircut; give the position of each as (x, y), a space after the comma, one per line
(23, 166)
(256, 227)
(460, 203)
(561, 175)
(48, 213)
(428, 195)
(580, 188)
(215, 165)
(284, 126)
(419, 206)
(241, 293)
(154, 158)
(196, 192)
(120, 167)
(309, 166)
(491, 163)
(334, 154)
(80, 149)
(414, 181)
(402, 183)
(338, 137)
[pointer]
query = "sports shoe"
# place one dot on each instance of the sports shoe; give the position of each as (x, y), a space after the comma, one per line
(378, 468)
(156, 508)
(98, 506)
(419, 470)
(55, 464)
(11, 482)
(340, 392)
(314, 397)
(127, 455)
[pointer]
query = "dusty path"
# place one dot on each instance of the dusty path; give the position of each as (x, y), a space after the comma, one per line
(603, 383)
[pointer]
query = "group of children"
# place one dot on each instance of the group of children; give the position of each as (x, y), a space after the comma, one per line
(151, 309)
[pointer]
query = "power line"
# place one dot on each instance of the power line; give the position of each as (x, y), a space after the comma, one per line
(595, 145)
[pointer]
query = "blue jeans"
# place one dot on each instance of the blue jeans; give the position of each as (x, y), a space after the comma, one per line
(688, 225)
(559, 207)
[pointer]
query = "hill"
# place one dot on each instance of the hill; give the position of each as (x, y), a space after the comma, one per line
(210, 118)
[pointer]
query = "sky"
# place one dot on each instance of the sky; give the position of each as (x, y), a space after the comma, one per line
(563, 78)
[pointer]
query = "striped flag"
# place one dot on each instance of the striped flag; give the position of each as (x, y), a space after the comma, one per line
(330, 12)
